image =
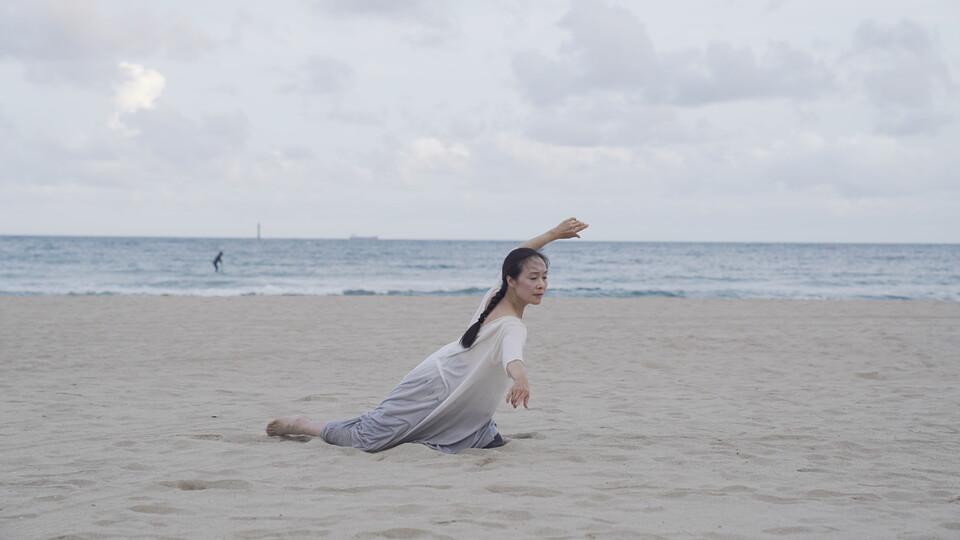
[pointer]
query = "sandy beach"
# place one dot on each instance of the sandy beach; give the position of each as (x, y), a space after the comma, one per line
(128, 417)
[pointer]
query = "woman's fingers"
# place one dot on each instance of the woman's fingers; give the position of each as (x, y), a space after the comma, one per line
(572, 227)
(517, 396)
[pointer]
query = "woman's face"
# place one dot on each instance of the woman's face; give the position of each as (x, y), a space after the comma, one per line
(531, 284)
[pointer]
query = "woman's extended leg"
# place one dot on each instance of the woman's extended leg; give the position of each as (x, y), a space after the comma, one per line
(300, 424)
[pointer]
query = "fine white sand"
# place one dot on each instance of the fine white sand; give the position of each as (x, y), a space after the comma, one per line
(144, 417)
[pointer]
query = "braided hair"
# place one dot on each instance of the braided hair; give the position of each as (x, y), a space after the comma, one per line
(512, 266)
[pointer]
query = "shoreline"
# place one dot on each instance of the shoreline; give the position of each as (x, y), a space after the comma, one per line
(472, 296)
(650, 417)
(587, 240)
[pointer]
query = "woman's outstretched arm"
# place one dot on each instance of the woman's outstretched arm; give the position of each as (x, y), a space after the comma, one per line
(520, 391)
(568, 228)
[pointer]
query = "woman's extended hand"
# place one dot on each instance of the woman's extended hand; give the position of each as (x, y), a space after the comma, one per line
(568, 228)
(519, 393)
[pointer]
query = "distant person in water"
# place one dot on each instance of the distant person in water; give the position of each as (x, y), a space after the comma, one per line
(447, 402)
(218, 262)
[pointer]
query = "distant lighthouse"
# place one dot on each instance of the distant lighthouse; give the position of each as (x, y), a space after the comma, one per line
(258, 231)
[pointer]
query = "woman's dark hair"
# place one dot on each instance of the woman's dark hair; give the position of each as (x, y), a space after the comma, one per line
(512, 266)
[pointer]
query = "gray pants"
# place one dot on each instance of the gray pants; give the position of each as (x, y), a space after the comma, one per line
(388, 425)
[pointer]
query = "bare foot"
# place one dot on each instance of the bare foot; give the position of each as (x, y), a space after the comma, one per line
(294, 425)
(286, 425)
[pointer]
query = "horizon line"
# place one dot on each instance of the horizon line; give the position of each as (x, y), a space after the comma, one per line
(373, 238)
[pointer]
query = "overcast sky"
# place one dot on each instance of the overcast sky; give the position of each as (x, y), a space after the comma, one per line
(763, 120)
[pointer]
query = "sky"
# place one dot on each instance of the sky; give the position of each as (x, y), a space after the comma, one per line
(716, 121)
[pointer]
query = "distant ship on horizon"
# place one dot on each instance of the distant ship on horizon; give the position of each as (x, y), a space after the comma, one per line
(355, 237)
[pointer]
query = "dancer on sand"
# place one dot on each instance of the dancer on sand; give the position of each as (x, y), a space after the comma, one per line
(448, 401)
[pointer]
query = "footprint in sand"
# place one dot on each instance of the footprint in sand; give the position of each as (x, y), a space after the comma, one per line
(523, 490)
(154, 509)
(400, 532)
(196, 485)
(528, 435)
(484, 461)
(318, 397)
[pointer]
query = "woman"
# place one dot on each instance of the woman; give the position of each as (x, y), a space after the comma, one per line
(448, 401)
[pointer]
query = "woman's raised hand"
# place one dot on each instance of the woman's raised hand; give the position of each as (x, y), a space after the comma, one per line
(569, 228)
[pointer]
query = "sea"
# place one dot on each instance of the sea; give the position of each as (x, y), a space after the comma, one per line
(114, 266)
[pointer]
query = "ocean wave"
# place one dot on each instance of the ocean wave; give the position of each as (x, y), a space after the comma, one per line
(598, 292)
(359, 292)
(638, 294)
(36, 266)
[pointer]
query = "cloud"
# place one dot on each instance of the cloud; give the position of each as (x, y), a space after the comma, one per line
(609, 50)
(432, 20)
(853, 167)
(417, 10)
(168, 149)
(904, 75)
(606, 120)
(430, 153)
(359, 117)
(5, 124)
(139, 88)
(904, 37)
(608, 47)
(427, 158)
(609, 85)
(186, 144)
(77, 42)
(320, 75)
(723, 72)
(913, 122)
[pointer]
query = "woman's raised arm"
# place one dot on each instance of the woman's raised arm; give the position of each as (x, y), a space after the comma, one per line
(568, 228)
